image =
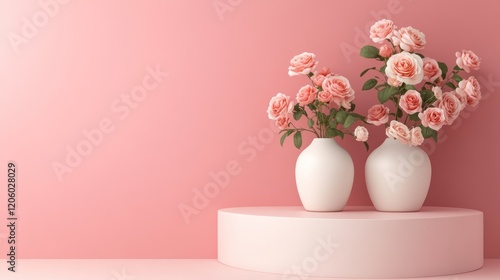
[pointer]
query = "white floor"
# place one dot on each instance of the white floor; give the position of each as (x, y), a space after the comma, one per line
(170, 269)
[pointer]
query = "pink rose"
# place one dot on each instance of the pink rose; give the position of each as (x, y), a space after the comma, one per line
(279, 105)
(432, 72)
(306, 95)
(361, 134)
(438, 92)
(385, 51)
(303, 63)
(340, 89)
(411, 102)
(381, 30)
(405, 67)
(416, 137)
(394, 82)
(282, 122)
(317, 79)
(462, 97)
(451, 107)
(471, 89)
(378, 115)
(325, 71)
(409, 39)
(433, 117)
(325, 96)
(398, 131)
(468, 60)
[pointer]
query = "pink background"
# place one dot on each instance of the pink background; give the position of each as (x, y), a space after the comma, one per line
(122, 200)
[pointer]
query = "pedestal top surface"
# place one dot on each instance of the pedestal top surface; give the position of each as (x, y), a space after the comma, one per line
(351, 212)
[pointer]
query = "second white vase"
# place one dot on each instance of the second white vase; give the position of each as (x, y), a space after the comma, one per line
(397, 176)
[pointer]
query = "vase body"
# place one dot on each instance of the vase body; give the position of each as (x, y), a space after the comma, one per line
(324, 174)
(397, 177)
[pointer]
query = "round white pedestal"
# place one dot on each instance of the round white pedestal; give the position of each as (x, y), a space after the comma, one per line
(356, 243)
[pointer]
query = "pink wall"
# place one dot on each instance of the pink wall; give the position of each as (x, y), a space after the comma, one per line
(78, 70)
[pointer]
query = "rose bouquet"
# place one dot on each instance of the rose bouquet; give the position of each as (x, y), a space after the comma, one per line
(326, 103)
(425, 96)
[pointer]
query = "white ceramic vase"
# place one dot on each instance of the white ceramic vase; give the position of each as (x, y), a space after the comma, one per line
(397, 177)
(324, 174)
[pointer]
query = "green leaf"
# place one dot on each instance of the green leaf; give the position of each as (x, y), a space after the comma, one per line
(457, 68)
(332, 132)
(349, 121)
(399, 112)
(366, 146)
(310, 74)
(297, 139)
(409, 87)
(421, 55)
(380, 86)
(282, 140)
(382, 69)
(457, 78)
(426, 94)
(312, 107)
(414, 117)
(353, 106)
(297, 115)
(369, 52)
(341, 116)
(321, 117)
(332, 112)
(366, 70)
(444, 69)
(358, 116)
(431, 100)
(428, 132)
(385, 94)
(341, 134)
(369, 84)
(332, 122)
(310, 123)
(451, 85)
(284, 136)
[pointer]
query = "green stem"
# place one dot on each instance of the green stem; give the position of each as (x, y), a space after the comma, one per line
(396, 101)
(450, 75)
(305, 129)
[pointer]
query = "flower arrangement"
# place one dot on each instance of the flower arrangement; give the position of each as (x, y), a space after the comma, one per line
(326, 103)
(425, 96)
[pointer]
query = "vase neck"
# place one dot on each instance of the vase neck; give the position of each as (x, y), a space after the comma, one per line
(324, 141)
(392, 141)
(320, 140)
